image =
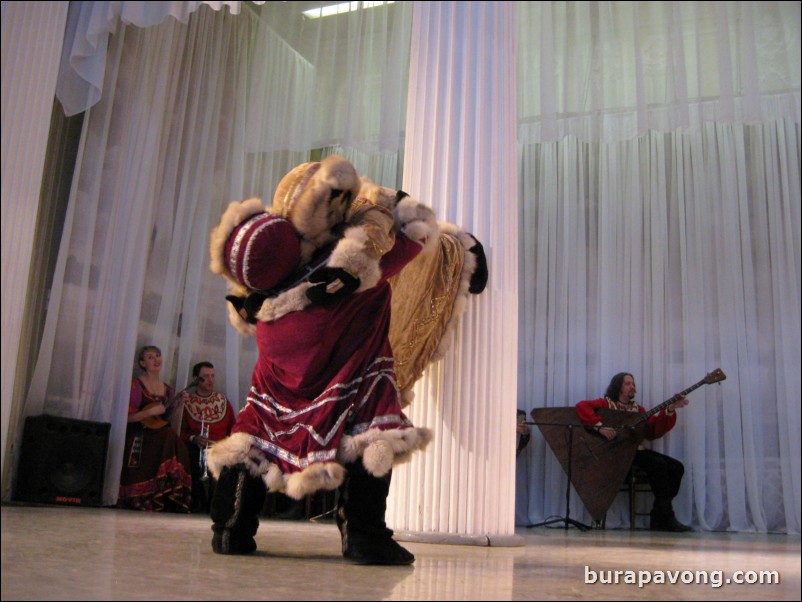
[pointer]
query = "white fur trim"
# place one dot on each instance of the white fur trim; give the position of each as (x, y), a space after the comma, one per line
(378, 458)
(233, 216)
(459, 233)
(350, 255)
(239, 449)
(381, 450)
(293, 299)
(321, 475)
(233, 450)
(417, 222)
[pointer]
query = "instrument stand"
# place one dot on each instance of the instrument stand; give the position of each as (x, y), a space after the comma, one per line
(567, 520)
(327, 513)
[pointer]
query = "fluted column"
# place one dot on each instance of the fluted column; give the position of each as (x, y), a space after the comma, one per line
(31, 52)
(461, 157)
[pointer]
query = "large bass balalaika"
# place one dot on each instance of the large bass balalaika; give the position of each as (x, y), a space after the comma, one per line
(598, 466)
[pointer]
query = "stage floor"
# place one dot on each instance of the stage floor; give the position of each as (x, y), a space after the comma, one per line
(73, 553)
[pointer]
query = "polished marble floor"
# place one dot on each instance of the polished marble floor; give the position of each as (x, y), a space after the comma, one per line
(73, 553)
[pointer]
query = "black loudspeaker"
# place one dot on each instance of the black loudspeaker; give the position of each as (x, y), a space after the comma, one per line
(62, 461)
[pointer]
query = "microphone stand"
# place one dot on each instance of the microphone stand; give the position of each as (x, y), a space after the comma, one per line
(567, 520)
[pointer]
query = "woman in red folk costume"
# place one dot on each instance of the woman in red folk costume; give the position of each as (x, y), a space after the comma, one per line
(310, 279)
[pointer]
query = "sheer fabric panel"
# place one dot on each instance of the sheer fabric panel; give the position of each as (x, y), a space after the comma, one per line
(614, 70)
(164, 151)
(668, 256)
(83, 59)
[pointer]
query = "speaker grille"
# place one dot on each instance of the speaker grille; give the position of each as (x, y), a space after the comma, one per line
(62, 461)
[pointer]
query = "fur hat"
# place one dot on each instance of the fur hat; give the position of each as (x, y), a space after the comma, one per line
(315, 197)
(262, 251)
(252, 249)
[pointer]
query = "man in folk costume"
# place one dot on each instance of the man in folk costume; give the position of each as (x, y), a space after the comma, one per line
(309, 278)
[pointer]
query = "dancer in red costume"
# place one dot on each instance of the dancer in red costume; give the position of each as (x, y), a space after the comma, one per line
(324, 410)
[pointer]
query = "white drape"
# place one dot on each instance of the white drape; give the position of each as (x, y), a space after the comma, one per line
(615, 70)
(173, 140)
(83, 62)
(659, 216)
(661, 236)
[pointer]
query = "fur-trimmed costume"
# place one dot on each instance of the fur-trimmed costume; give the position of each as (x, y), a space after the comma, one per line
(324, 409)
(323, 391)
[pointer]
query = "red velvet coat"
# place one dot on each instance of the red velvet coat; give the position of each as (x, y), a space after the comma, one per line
(325, 372)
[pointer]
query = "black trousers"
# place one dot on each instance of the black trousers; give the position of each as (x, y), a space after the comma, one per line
(202, 490)
(665, 477)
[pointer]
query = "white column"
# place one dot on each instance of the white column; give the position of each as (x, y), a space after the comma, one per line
(31, 51)
(461, 158)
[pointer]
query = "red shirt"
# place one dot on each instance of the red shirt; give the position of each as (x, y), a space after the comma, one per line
(656, 426)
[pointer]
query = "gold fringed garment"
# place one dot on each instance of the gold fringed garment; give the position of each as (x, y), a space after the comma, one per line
(425, 293)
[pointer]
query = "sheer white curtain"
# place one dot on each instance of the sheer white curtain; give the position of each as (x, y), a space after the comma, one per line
(173, 139)
(614, 70)
(83, 62)
(152, 176)
(660, 234)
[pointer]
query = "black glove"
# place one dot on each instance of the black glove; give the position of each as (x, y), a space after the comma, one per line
(247, 307)
(331, 285)
(480, 274)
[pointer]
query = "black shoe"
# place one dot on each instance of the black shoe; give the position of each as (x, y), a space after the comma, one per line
(226, 543)
(237, 500)
(670, 524)
(379, 550)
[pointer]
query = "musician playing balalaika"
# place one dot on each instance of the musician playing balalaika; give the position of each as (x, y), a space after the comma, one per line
(664, 473)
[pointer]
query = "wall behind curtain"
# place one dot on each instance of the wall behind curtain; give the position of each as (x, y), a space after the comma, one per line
(660, 235)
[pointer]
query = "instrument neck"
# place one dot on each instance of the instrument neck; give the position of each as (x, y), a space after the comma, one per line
(656, 409)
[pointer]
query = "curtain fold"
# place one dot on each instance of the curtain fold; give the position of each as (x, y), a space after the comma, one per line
(668, 256)
(615, 70)
(132, 269)
(661, 236)
(83, 57)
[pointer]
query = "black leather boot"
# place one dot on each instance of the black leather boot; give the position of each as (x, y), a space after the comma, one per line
(663, 519)
(360, 518)
(237, 502)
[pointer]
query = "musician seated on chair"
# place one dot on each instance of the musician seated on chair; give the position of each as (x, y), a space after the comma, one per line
(155, 473)
(208, 417)
(522, 433)
(664, 473)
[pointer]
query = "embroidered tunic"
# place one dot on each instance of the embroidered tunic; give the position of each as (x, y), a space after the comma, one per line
(215, 411)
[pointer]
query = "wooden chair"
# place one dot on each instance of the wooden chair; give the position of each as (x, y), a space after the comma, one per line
(637, 482)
